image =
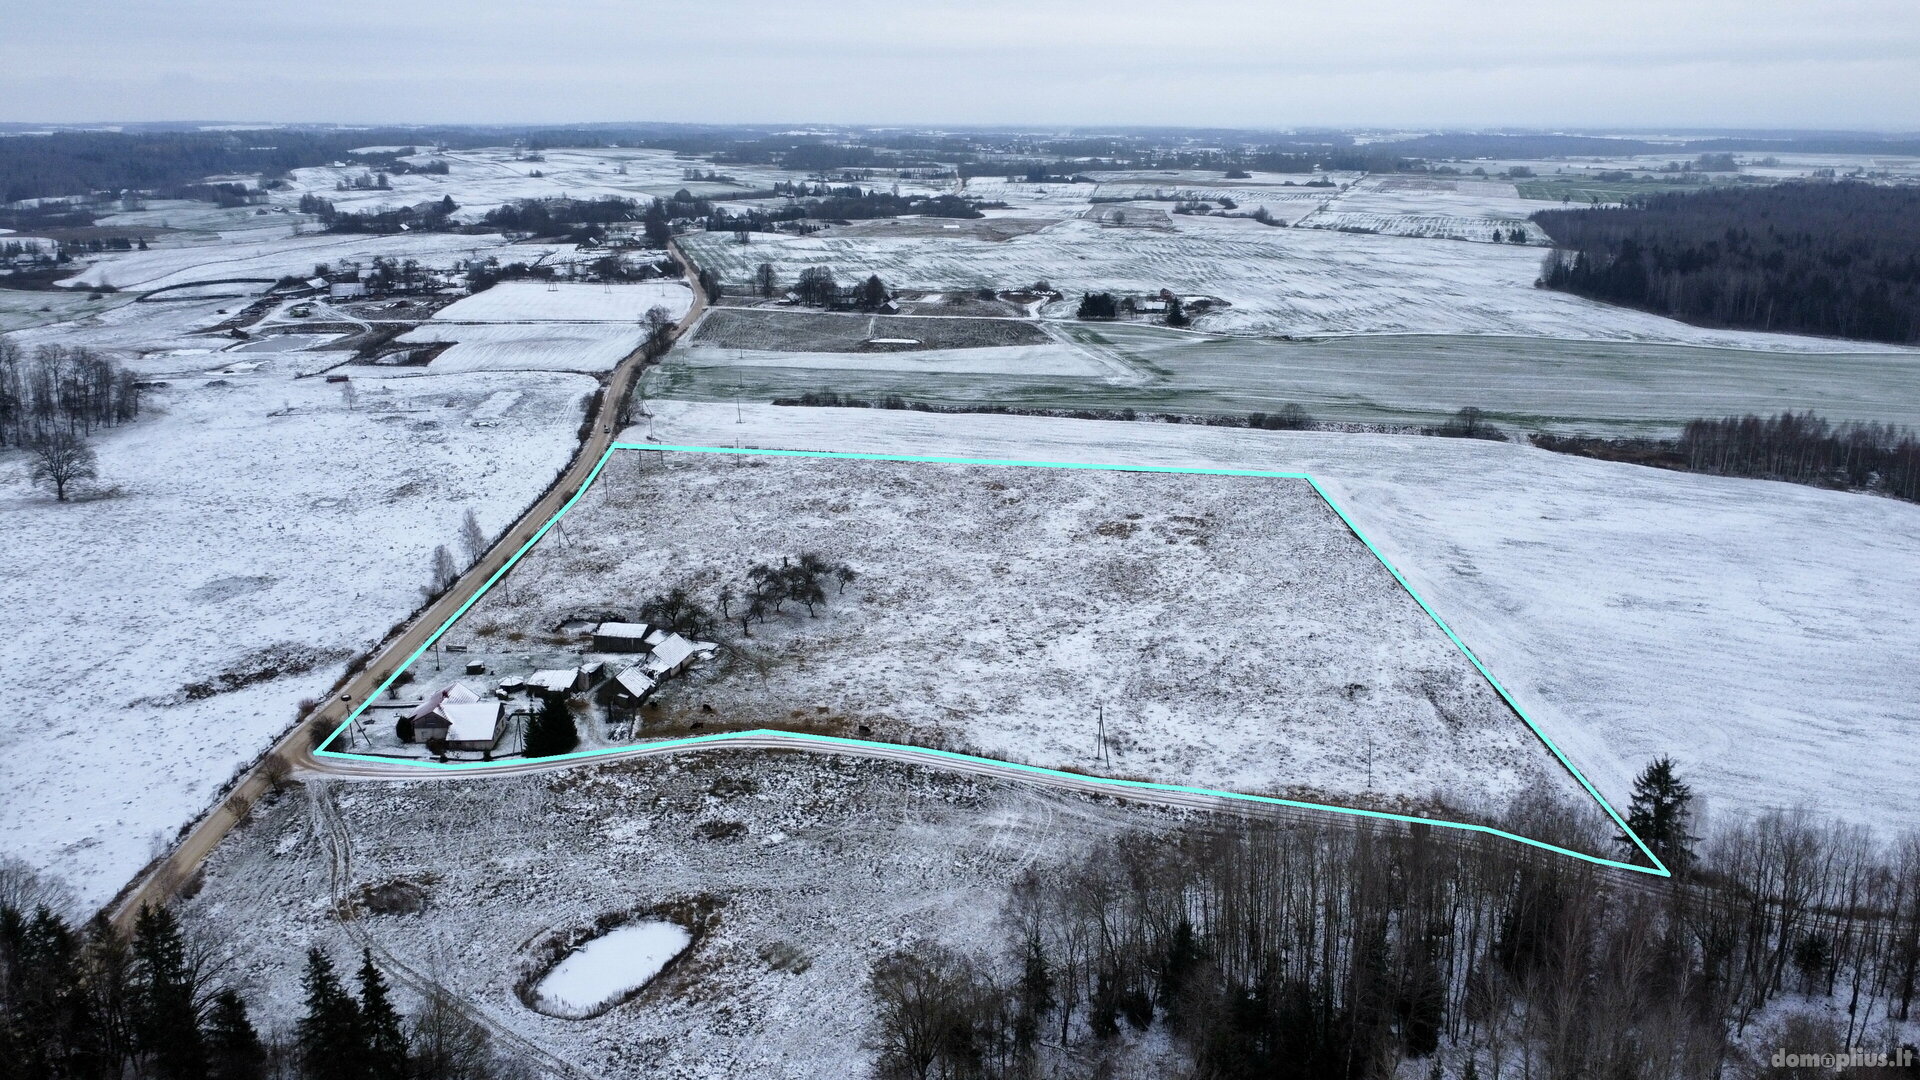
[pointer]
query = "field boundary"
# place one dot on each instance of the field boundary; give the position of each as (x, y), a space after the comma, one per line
(1657, 869)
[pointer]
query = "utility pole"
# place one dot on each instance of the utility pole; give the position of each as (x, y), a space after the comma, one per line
(1100, 743)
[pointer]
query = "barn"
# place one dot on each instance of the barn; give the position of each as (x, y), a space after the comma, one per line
(621, 637)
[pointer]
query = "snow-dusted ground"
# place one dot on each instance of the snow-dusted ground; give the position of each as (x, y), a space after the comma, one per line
(837, 863)
(1054, 359)
(1278, 281)
(1231, 630)
(1762, 634)
(249, 527)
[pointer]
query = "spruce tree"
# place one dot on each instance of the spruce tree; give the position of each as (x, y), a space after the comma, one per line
(328, 1036)
(1659, 813)
(233, 1047)
(165, 1021)
(552, 730)
(380, 1024)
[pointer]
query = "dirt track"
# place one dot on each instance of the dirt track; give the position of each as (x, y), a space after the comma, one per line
(294, 750)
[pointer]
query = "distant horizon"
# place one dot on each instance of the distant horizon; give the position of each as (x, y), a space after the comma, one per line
(1847, 65)
(1623, 131)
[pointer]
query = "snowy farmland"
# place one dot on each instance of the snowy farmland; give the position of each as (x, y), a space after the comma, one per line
(530, 326)
(532, 301)
(1633, 612)
(1297, 282)
(252, 533)
(1230, 630)
(1524, 384)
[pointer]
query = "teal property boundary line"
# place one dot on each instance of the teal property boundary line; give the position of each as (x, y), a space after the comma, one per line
(1657, 869)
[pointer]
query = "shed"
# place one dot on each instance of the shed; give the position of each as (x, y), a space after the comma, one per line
(627, 690)
(346, 290)
(620, 637)
(557, 682)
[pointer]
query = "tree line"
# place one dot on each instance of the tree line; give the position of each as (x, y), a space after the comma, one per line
(1800, 448)
(91, 1003)
(1305, 948)
(1838, 259)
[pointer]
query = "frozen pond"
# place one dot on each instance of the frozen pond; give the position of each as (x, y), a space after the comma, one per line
(609, 966)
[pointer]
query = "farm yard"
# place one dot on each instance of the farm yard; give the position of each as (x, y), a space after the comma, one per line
(1632, 612)
(1050, 598)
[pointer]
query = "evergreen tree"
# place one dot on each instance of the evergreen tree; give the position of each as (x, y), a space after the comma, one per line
(233, 1047)
(1659, 814)
(552, 730)
(380, 1024)
(1034, 995)
(165, 1019)
(328, 1037)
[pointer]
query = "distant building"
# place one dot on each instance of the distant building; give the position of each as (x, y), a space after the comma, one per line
(346, 290)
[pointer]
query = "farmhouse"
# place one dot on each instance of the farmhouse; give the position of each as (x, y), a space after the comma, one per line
(456, 717)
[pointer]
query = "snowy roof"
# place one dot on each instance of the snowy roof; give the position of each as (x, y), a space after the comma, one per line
(557, 680)
(635, 681)
(674, 649)
(471, 721)
(621, 630)
(455, 693)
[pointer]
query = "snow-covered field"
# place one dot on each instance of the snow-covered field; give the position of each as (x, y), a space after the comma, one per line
(483, 179)
(532, 301)
(584, 347)
(1231, 630)
(1277, 281)
(273, 253)
(530, 326)
(1760, 633)
(249, 527)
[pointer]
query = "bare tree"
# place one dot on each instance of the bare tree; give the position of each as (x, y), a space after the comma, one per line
(444, 572)
(61, 458)
(473, 539)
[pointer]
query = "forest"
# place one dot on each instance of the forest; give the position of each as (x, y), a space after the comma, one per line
(1833, 259)
(1329, 950)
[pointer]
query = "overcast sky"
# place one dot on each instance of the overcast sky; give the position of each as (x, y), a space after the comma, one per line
(1232, 63)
